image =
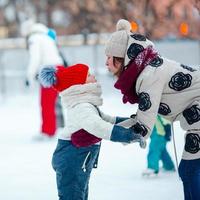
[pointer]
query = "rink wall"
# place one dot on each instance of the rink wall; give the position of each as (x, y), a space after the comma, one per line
(14, 57)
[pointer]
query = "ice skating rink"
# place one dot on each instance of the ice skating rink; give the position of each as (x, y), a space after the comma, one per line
(25, 167)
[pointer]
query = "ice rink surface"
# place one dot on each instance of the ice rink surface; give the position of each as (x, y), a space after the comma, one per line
(25, 167)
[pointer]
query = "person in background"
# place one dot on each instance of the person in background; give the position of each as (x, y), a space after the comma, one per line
(159, 86)
(161, 134)
(79, 143)
(43, 51)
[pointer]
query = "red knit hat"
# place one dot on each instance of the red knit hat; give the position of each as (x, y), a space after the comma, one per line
(61, 77)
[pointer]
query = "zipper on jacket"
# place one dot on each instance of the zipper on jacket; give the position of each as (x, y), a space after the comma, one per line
(85, 161)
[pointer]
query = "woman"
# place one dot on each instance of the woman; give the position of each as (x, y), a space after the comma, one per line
(159, 86)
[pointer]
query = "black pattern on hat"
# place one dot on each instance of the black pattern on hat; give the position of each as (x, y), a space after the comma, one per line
(139, 37)
(188, 68)
(144, 101)
(140, 129)
(164, 109)
(192, 114)
(192, 143)
(156, 62)
(180, 81)
(133, 50)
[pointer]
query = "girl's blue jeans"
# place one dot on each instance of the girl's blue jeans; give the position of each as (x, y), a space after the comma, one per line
(73, 167)
(189, 171)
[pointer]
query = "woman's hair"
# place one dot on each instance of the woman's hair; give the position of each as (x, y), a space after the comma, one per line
(121, 61)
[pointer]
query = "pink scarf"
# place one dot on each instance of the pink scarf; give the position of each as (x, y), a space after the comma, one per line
(127, 80)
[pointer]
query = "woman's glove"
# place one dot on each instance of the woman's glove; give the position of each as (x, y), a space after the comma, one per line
(124, 135)
(140, 139)
(142, 142)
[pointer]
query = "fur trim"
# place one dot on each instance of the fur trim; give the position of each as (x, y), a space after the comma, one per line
(84, 93)
(47, 76)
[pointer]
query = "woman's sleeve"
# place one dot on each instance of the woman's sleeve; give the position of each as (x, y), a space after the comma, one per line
(150, 93)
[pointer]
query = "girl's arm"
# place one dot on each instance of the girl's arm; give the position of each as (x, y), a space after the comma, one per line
(111, 119)
(90, 121)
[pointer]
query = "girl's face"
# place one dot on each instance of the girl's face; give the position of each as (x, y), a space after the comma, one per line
(114, 68)
(90, 79)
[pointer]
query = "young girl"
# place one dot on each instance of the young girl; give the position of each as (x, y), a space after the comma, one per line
(79, 144)
(159, 86)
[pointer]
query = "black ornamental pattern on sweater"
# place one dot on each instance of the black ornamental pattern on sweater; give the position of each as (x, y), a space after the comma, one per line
(144, 101)
(139, 37)
(188, 68)
(180, 81)
(156, 62)
(164, 109)
(140, 129)
(133, 50)
(192, 114)
(192, 143)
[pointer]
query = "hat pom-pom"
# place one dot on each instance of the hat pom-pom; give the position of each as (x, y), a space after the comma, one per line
(47, 76)
(123, 24)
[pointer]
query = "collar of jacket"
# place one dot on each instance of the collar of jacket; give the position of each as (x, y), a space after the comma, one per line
(127, 80)
(83, 93)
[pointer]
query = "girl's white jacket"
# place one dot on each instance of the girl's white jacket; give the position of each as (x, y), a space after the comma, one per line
(80, 102)
(42, 52)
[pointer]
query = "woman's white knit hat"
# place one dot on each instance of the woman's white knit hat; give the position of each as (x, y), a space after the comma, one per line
(125, 44)
(117, 44)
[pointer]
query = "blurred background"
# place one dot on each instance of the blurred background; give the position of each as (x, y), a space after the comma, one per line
(82, 27)
(173, 18)
(173, 24)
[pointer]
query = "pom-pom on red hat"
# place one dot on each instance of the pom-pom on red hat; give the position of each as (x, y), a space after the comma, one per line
(61, 77)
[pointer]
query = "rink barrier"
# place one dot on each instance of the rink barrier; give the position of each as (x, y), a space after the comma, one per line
(70, 40)
(82, 48)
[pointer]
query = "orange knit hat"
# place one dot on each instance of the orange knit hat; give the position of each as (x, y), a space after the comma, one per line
(61, 77)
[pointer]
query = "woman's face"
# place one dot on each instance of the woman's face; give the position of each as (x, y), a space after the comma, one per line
(113, 68)
(90, 79)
